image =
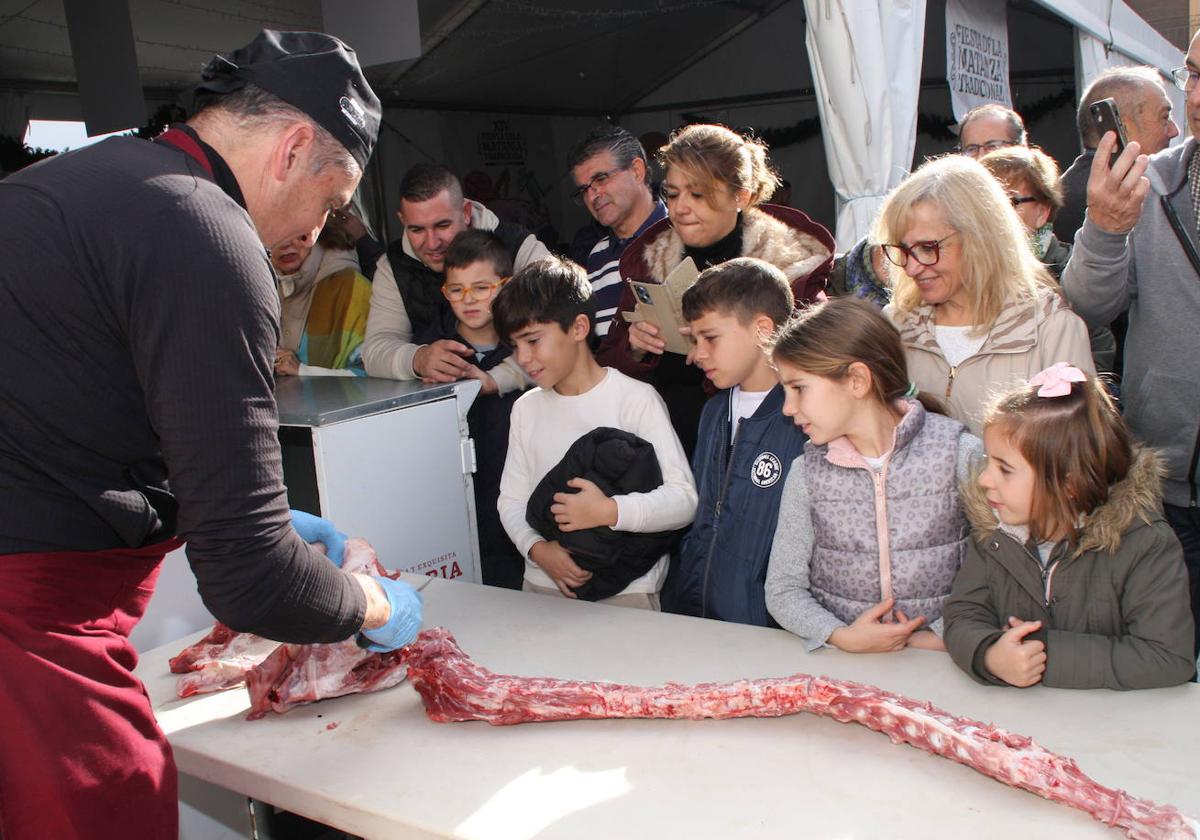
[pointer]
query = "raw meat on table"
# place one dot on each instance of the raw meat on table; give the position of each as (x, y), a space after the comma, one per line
(218, 661)
(297, 674)
(280, 676)
(454, 688)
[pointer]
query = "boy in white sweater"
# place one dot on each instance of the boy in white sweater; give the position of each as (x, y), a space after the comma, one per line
(545, 312)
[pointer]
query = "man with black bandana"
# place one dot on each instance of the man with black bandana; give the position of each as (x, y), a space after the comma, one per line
(138, 326)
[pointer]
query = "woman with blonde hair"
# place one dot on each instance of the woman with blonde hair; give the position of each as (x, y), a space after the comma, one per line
(714, 185)
(975, 308)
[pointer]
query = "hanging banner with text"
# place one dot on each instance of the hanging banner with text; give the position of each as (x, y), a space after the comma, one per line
(976, 54)
(506, 163)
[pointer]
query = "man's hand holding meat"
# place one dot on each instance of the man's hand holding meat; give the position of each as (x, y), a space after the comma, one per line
(322, 533)
(400, 621)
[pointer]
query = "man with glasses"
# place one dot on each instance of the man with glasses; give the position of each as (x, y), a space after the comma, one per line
(1146, 112)
(612, 180)
(406, 297)
(1137, 252)
(988, 127)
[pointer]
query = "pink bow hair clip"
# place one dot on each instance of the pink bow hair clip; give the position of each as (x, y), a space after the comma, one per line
(1055, 381)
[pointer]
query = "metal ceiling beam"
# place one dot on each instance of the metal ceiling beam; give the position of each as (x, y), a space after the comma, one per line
(701, 54)
(156, 94)
(446, 27)
(495, 108)
(790, 95)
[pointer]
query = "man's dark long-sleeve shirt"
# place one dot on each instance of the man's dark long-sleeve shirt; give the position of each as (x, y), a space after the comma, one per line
(1074, 180)
(138, 325)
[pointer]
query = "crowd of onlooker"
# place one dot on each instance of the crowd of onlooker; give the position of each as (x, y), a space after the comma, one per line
(977, 430)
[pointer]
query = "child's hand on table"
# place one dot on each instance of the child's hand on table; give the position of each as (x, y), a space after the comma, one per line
(871, 634)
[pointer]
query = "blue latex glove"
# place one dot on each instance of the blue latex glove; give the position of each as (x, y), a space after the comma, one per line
(315, 529)
(404, 622)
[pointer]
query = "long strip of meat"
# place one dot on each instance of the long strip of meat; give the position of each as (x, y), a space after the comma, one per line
(454, 688)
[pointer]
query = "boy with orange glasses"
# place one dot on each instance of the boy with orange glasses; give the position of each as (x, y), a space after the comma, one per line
(477, 264)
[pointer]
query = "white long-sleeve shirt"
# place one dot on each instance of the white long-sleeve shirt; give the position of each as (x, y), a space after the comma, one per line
(545, 424)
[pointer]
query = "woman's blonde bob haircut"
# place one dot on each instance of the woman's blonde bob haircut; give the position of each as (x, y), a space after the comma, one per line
(998, 266)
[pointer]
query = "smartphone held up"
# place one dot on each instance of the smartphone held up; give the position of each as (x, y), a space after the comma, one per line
(1108, 118)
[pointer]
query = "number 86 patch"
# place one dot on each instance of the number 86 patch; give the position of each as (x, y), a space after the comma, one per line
(766, 470)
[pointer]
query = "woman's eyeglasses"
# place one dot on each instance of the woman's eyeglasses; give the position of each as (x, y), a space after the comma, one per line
(926, 253)
(1018, 200)
(455, 292)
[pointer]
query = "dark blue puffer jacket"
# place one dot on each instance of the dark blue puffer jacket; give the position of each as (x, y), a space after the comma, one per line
(722, 565)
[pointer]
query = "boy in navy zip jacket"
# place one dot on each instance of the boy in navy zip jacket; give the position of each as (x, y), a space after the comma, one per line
(745, 443)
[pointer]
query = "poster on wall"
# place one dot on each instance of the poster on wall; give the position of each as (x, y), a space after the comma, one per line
(976, 54)
(506, 163)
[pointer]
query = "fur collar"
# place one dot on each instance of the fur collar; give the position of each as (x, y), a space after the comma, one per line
(792, 251)
(1138, 496)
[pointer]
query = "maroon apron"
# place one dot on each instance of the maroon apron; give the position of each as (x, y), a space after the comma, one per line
(80, 752)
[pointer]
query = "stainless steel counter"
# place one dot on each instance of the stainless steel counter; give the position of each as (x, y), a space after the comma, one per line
(322, 400)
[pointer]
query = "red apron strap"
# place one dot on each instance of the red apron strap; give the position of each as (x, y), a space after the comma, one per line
(80, 752)
(186, 143)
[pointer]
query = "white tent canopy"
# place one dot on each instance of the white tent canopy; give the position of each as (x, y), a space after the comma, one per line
(556, 59)
(1118, 38)
(867, 84)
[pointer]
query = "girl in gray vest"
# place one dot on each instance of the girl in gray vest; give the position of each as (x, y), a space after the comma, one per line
(871, 530)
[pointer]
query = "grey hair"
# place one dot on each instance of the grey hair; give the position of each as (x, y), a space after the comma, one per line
(1016, 125)
(624, 147)
(253, 108)
(1124, 84)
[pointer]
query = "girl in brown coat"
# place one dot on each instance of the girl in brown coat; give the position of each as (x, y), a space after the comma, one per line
(1073, 579)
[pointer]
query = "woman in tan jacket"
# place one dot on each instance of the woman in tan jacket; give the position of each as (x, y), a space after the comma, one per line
(975, 308)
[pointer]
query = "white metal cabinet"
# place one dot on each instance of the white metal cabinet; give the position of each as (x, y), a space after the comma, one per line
(387, 461)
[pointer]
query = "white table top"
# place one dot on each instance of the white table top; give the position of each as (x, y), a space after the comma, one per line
(387, 771)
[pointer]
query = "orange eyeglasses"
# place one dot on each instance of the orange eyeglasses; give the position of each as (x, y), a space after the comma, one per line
(455, 292)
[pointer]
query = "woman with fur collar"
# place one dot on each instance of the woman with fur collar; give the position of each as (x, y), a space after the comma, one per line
(714, 183)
